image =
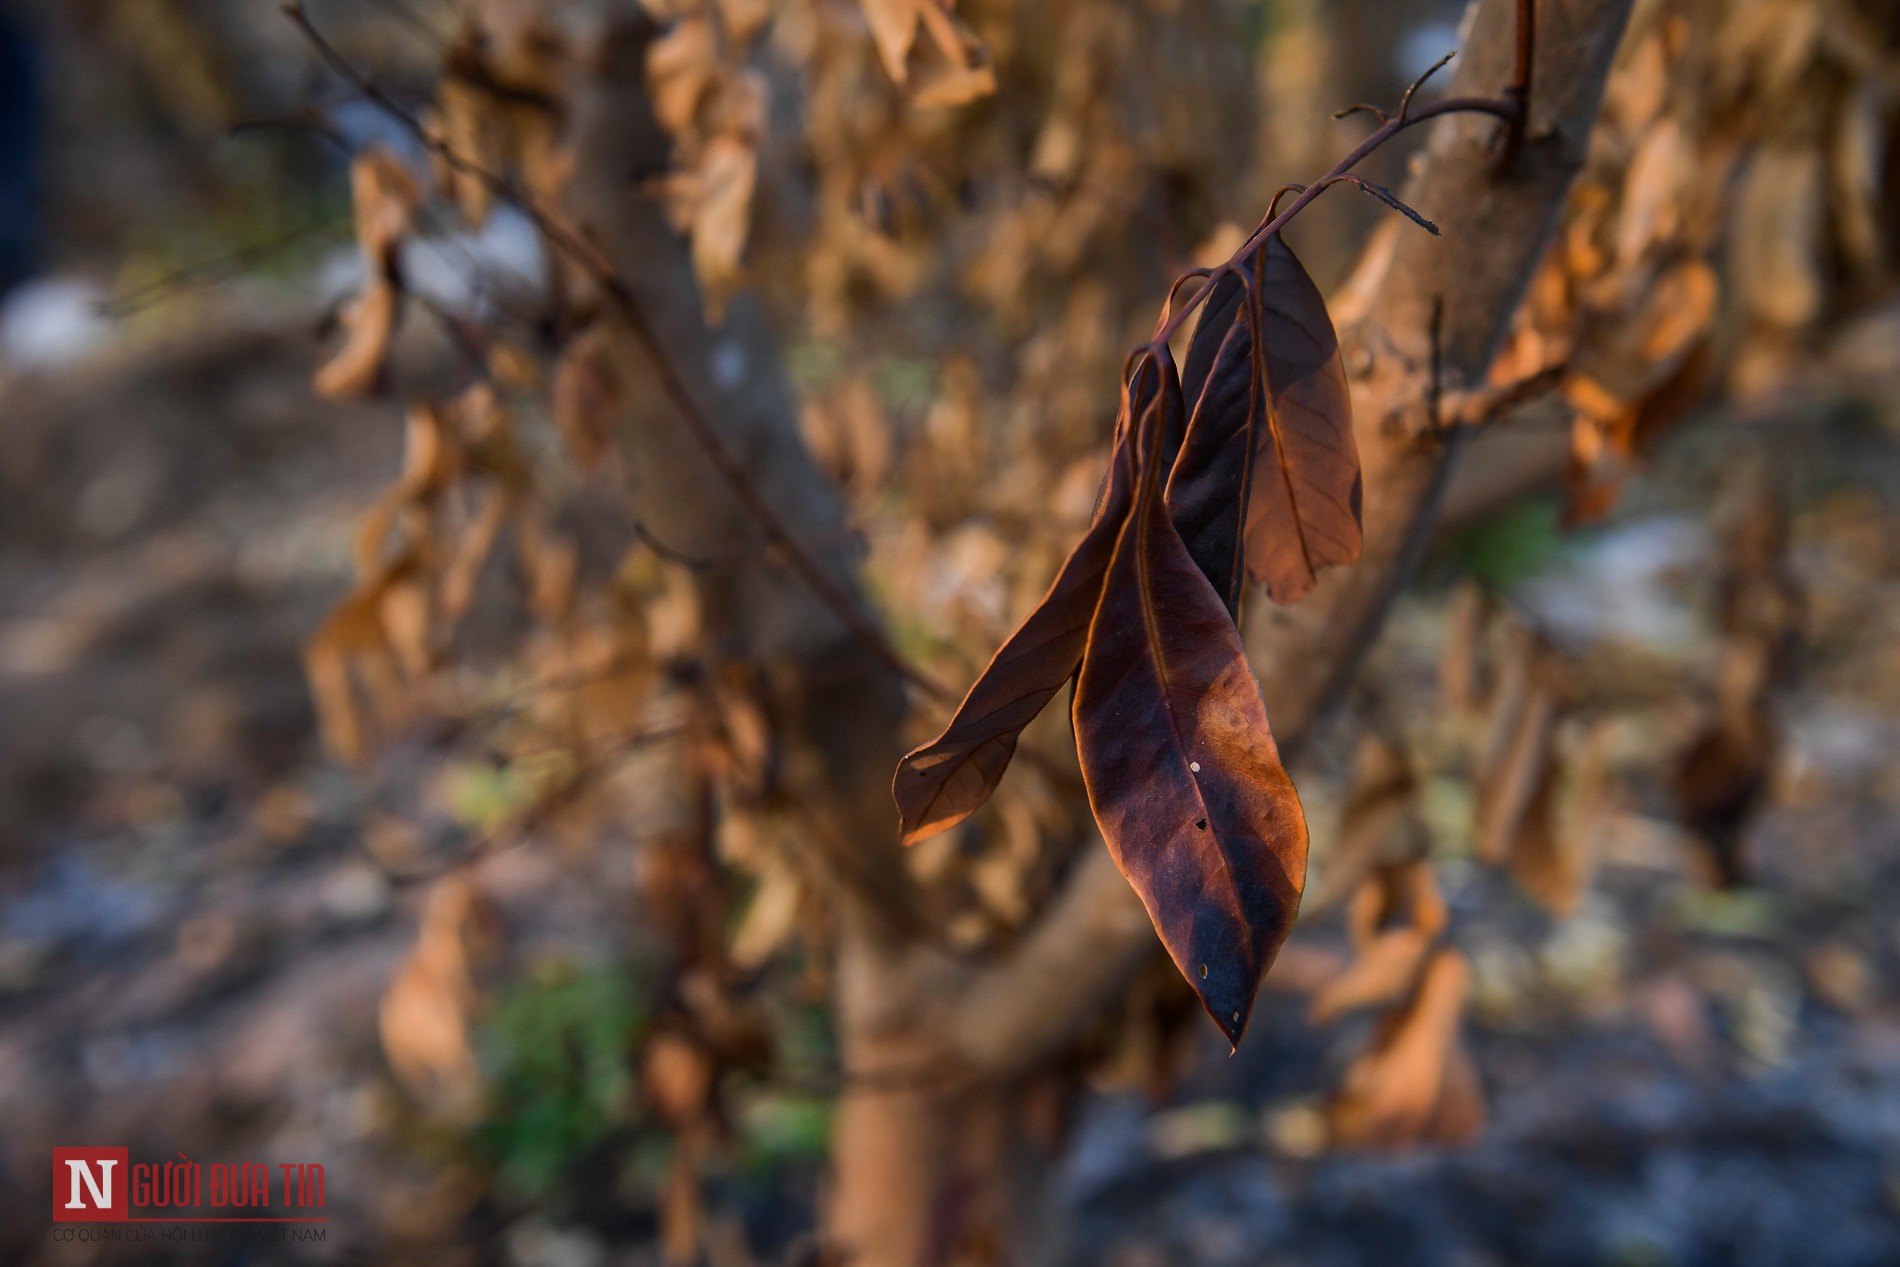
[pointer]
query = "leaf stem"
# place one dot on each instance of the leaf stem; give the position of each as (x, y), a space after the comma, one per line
(1505, 108)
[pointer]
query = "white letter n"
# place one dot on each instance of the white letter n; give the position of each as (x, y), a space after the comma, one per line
(101, 1193)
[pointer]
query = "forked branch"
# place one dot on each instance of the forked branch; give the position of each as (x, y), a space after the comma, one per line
(1511, 107)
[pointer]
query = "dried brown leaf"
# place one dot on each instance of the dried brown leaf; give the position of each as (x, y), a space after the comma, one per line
(682, 66)
(1181, 768)
(426, 1012)
(1380, 826)
(1269, 398)
(385, 199)
(1416, 1084)
(727, 174)
(893, 26)
(368, 322)
(1385, 972)
(470, 123)
(943, 782)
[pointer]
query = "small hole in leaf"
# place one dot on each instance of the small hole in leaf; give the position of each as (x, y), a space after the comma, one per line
(1236, 1018)
(1201, 823)
(1203, 972)
(1194, 766)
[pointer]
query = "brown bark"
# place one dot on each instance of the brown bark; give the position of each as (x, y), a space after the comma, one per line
(837, 708)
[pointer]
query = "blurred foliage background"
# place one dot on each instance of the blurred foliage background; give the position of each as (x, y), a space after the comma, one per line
(410, 813)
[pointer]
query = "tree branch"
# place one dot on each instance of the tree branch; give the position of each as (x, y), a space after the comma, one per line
(1496, 227)
(837, 596)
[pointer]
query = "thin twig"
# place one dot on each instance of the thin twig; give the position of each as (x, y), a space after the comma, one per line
(309, 118)
(1519, 89)
(842, 603)
(466, 340)
(669, 553)
(417, 25)
(1496, 107)
(211, 271)
(1518, 392)
(516, 830)
(1405, 102)
(1511, 107)
(1273, 207)
(1363, 107)
(1387, 197)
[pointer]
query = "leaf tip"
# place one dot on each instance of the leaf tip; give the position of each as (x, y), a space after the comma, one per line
(1228, 1004)
(908, 835)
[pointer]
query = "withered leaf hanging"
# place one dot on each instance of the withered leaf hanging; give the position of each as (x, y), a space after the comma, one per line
(1182, 772)
(1259, 478)
(1265, 380)
(946, 780)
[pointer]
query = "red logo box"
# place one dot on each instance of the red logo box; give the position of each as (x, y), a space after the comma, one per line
(90, 1184)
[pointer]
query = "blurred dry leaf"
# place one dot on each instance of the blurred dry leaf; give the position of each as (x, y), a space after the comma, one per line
(1402, 893)
(957, 73)
(1555, 856)
(468, 122)
(893, 26)
(727, 174)
(744, 18)
(584, 395)
(1651, 194)
(682, 66)
(1723, 774)
(1516, 759)
(849, 435)
(770, 919)
(385, 199)
(715, 109)
(1416, 1084)
(1461, 654)
(357, 649)
(1776, 250)
(1379, 827)
(1842, 977)
(368, 322)
(676, 1075)
(1384, 972)
(426, 1012)
(1520, 821)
